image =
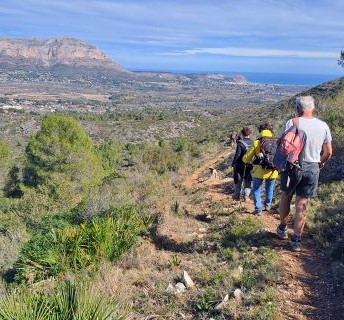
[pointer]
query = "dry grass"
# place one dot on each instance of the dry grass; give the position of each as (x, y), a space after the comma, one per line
(180, 229)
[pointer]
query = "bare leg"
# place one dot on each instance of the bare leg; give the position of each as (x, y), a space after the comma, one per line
(284, 208)
(300, 216)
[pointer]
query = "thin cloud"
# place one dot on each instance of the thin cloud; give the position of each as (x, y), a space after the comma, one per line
(193, 31)
(257, 52)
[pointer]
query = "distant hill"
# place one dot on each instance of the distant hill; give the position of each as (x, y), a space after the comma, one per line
(56, 54)
(321, 94)
(326, 90)
(56, 59)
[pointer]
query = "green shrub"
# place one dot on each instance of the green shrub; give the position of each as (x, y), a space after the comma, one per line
(12, 186)
(72, 248)
(334, 116)
(335, 119)
(68, 301)
(5, 160)
(133, 152)
(5, 153)
(206, 302)
(162, 158)
(111, 155)
(180, 144)
(327, 220)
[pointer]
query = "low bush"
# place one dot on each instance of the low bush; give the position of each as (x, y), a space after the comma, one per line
(327, 220)
(112, 155)
(5, 160)
(71, 248)
(334, 117)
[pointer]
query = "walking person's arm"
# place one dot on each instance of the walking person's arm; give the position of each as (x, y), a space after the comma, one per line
(326, 154)
(238, 153)
(250, 154)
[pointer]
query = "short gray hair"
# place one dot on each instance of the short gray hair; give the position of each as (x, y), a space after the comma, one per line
(305, 103)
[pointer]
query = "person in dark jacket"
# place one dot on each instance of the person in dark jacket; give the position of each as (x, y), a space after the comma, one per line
(241, 171)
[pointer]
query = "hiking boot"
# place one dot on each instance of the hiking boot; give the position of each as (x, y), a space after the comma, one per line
(282, 233)
(257, 213)
(295, 244)
(246, 199)
(235, 198)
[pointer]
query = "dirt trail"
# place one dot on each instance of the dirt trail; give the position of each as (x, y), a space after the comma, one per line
(306, 290)
(196, 177)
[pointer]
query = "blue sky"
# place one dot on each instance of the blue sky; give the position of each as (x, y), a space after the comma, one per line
(294, 36)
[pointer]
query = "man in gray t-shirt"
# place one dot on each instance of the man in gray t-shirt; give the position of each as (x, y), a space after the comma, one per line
(317, 150)
(317, 133)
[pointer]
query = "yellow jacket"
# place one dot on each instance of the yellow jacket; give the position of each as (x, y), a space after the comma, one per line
(253, 152)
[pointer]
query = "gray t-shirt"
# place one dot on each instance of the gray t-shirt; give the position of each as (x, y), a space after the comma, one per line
(317, 133)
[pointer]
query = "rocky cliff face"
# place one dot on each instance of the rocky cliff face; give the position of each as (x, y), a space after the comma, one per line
(45, 54)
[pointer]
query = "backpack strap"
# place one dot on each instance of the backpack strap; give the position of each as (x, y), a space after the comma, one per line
(244, 144)
(296, 122)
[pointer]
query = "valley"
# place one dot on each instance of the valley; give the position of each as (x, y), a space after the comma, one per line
(116, 195)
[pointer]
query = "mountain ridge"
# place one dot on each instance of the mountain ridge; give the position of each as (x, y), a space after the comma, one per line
(45, 54)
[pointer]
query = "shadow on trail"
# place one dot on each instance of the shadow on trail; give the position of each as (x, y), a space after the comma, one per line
(164, 242)
(222, 187)
(204, 217)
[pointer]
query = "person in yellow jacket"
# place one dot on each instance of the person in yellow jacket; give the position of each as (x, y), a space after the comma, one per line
(259, 174)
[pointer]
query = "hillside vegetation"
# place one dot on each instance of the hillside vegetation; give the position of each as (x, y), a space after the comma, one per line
(78, 207)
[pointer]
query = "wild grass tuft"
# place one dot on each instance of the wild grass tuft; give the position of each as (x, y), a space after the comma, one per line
(68, 301)
(72, 248)
(240, 231)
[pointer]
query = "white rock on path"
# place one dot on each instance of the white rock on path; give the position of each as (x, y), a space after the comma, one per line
(237, 294)
(222, 303)
(187, 280)
(170, 288)
(180, 288)
(175, 289)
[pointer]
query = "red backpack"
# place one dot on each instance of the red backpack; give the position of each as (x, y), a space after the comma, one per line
(290, 146)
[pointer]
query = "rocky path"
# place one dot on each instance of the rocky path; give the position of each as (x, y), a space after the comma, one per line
(306, 290)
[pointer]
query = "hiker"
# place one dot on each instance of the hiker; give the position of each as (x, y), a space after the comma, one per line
(233, 138)
(242, 172)
(262, 171)
(316, 151)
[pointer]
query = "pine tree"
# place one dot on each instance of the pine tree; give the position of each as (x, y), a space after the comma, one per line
(61, 160)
